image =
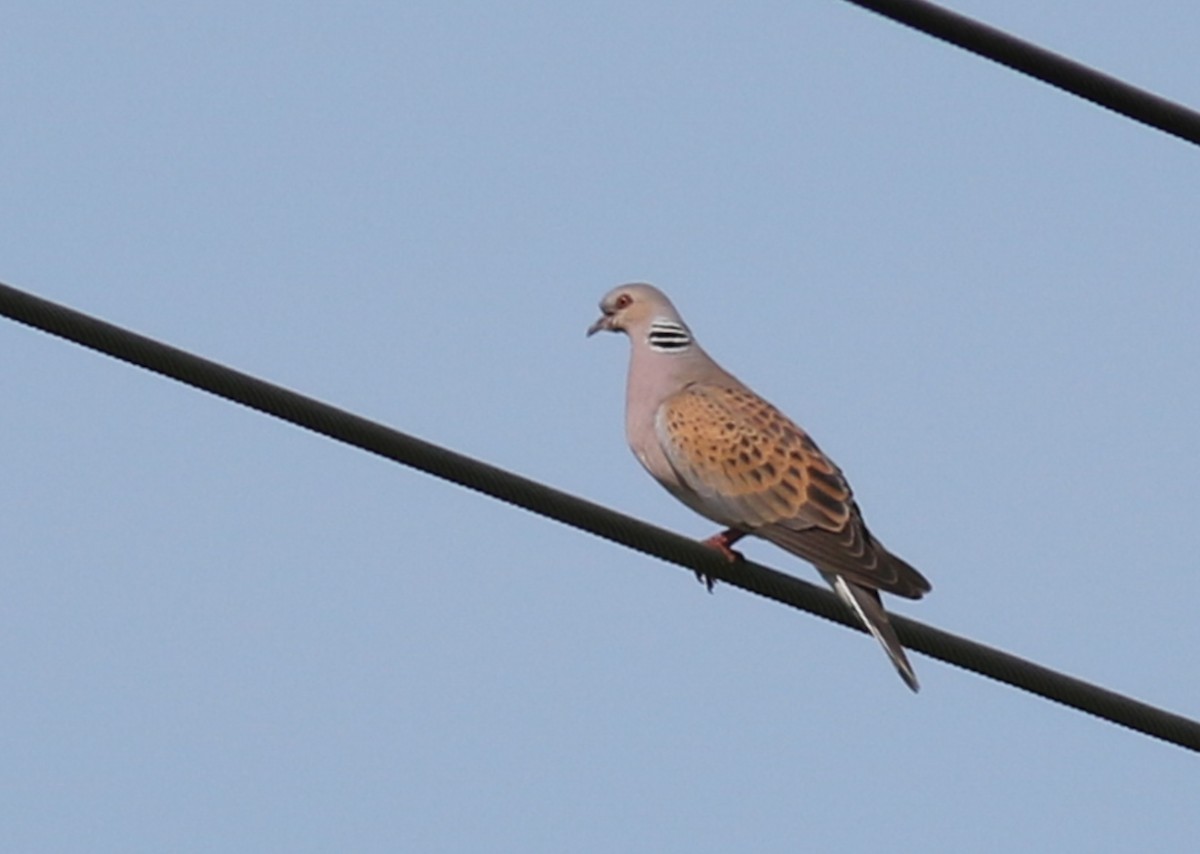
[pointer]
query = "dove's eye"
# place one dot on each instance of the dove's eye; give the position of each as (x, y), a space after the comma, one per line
(623, 301)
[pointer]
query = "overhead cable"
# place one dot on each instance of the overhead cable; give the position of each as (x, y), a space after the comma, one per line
(571, 510)
(1045, 65)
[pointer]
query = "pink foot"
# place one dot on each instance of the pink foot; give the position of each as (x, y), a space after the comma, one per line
(721, 542)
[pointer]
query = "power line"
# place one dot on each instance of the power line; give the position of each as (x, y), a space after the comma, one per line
(571, 510)
(1045, 65)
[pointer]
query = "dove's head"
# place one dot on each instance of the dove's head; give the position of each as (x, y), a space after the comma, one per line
(641, 312)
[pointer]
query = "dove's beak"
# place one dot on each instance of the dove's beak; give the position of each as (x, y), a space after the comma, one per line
(603, 323)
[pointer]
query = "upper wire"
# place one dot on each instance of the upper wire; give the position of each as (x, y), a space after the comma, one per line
(1045, 65)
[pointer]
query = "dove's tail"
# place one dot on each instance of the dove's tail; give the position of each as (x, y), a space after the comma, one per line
(868, 607)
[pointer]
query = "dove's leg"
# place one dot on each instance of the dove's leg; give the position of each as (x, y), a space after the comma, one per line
(721, 542)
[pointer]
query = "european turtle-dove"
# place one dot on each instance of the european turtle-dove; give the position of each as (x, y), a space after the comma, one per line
(734, 458)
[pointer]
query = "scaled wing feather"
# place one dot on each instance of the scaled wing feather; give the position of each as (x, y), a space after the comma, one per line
(755, 469)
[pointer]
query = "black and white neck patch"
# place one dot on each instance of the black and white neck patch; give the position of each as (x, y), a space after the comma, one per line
(668, 336)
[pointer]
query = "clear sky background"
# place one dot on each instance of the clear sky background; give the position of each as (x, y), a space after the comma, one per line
(221, 633)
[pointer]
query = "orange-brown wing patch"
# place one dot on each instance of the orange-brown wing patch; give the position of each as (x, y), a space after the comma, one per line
(749, 460)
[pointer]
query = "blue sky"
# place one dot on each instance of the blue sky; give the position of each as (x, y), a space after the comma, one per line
(222, 633)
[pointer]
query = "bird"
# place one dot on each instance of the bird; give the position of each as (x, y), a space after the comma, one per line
(734, 458)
